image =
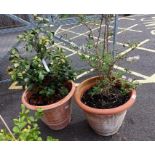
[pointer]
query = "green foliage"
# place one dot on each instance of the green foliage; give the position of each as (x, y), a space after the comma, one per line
(32, 73)
(104, 65)
(25, 127)
(99, 57)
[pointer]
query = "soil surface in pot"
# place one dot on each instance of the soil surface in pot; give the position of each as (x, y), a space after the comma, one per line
(37, 100)
(102, 101)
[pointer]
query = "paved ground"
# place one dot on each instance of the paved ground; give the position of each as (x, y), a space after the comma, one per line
(139, 123)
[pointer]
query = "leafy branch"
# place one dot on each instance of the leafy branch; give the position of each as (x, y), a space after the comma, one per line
(25, 127)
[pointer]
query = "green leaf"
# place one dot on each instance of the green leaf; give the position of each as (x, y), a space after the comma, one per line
(22, 108)
(49, 138)
(22, 125)
(16, 65)
(16, 129)
(41, 76)
(31, 119)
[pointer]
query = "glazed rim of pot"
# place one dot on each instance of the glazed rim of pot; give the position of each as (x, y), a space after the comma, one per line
(83, 87)
(53, 105)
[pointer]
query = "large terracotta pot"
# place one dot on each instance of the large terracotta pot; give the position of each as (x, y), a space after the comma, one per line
(57, 115)
(105, 122)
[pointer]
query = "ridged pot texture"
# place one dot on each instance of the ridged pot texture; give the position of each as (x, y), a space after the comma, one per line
(104, 122)
(56, 115)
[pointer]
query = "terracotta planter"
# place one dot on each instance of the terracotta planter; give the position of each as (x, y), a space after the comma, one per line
(104, 121)
(57, 115)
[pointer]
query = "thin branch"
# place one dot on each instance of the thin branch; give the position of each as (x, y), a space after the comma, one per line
(100, 28)
(116, 59)
(91, 32)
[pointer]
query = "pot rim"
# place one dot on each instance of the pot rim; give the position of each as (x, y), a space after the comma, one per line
(51, 106)
(85, 85)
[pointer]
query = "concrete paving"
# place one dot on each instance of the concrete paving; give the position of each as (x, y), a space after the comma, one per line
(139, 123)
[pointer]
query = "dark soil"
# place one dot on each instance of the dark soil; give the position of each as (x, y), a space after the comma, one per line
(37, 100)
(102, 101)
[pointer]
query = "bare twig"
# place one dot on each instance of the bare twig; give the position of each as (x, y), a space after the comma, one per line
(91, 32)
(100, 28)
(106, 34)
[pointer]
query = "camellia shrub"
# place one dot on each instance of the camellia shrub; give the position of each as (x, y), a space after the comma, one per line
(47, 71)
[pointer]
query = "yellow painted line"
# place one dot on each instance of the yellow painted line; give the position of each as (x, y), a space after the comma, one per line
(150, 21)
(66, 48)
(81, 34)
(74, 27)
(71, 54)
(146, 49)
(78, 34)
(58, 30)
(85, 73)
(152, 24)
(117, 67)
(84, 34)
(132, 72)
(137, 15)
(126, 18)
(121, 53)
(14, 86)
(130, 49)
(128, 28)
(62, 29)
(140, 48)
(150, 79)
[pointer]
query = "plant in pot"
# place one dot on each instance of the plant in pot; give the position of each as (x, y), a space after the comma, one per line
(106, 97)
(46, 75)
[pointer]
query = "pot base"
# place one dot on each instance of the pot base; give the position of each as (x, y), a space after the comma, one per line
(106, 125)
(105, 122)
(56, 115)
(107, 134)
(60, 125)
(58, 118)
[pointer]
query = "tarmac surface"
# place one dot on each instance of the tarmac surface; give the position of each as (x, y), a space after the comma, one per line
(139, 123)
